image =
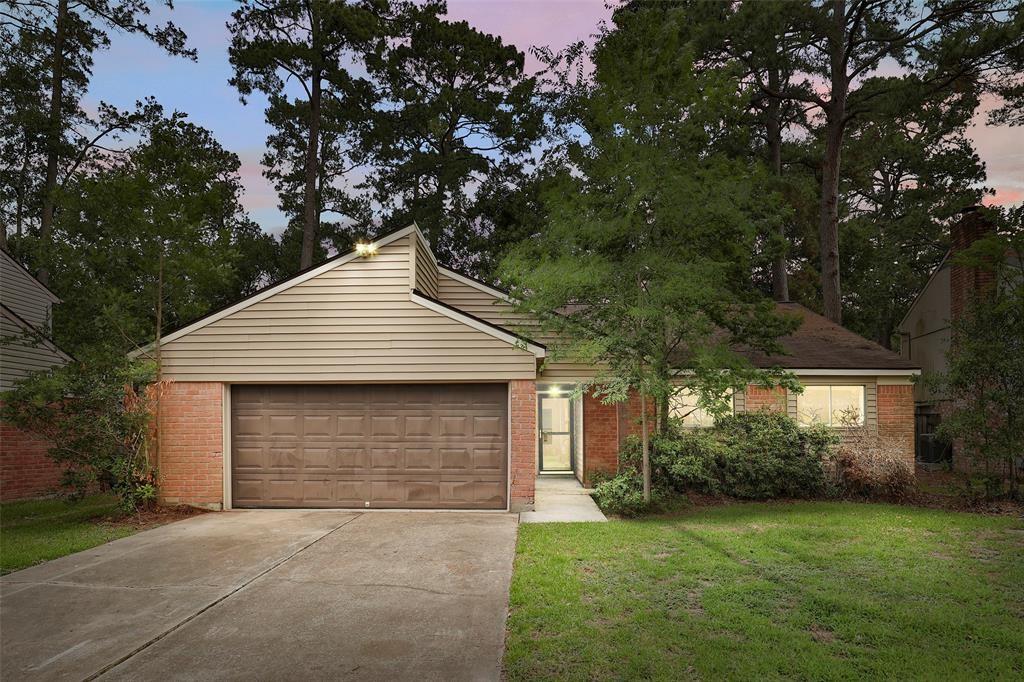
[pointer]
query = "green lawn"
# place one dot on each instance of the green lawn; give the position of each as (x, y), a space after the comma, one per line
(753, 591)
(38, 530)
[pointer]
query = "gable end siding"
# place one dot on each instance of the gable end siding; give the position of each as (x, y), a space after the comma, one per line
(20, 292)
(355, 322)
(487, 306)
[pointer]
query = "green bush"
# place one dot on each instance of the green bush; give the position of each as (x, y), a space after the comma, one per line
(753, 456)
(623, 495)
(96, 413)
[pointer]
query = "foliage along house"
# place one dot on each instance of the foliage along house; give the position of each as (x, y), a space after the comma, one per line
(380, 379)
(926, 331)
(26, 307)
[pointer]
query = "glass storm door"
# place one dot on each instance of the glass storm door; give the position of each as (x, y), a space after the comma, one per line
(555, 433)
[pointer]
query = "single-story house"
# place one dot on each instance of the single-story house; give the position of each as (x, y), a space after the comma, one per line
(381, 379)
(26, 310)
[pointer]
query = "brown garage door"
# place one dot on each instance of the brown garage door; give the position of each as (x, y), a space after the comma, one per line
(417, 446)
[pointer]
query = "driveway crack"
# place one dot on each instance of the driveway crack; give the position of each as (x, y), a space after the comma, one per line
(215, 602)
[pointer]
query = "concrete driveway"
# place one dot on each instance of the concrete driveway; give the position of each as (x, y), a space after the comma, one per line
(270, 595)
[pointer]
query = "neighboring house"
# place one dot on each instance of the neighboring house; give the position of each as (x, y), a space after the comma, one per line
(25, 315)
(380, 379)
(926, 330)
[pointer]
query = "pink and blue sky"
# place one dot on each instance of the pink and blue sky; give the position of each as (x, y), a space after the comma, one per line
(133, 69)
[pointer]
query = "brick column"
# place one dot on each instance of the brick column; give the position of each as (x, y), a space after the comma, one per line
(523, 443)
(896, 417)
(192, 444)
(758, 398)
(600, 437)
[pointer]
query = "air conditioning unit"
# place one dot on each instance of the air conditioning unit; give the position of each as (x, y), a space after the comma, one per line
(932, 453)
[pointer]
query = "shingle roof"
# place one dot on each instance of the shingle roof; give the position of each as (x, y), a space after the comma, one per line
(821, 344)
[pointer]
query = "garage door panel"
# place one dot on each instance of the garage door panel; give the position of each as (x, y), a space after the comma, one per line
(384, 458)
(315, 459)
(425, 459)
(384, 426)
(351, 459)
(419, 427)
(456, 459)
(247, 458)
(287, 459)
(487, 427)
(405, 446)
(488, 459)
(352, 426)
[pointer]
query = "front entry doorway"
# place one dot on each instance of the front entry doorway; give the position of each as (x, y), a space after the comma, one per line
(557, 433)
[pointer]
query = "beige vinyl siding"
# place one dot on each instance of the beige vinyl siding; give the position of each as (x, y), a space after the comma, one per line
(20, 355)
(355, 322)
(20, 292)
(426, 268)
(497, 311)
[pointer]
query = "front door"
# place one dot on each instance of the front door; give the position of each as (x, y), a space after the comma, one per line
(555, 433)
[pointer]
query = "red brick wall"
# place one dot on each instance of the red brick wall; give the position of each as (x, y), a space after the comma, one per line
(25, 468)
(192, 444)
(600, 437)
(760, 398)
(967, 282)
(523, 439)
(896, 417)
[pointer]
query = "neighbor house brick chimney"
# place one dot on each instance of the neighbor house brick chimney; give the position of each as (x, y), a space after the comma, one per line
(966, 282)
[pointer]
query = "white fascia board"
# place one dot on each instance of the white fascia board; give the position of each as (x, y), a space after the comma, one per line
(854, 372)
(469, 321)
(476, 285)
(267, 293)
(833, 372)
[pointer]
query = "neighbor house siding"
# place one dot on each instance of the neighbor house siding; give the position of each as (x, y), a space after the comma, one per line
(355, 322)
(926, 333)
(20, 292)
(21, 354)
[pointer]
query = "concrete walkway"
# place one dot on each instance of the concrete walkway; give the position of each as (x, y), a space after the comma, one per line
(270, 595)
(561, 499)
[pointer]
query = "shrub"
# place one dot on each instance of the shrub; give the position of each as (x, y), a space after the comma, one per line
(750, 456)
(770, 455)
(624, 495)
(96, 414)
(866, 465)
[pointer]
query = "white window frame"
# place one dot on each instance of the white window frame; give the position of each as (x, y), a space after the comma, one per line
(863, 413)
(672, 409)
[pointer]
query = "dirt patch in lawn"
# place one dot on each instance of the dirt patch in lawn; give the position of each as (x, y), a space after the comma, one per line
(151, 518)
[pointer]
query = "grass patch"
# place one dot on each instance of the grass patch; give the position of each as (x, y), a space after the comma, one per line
(808, 590)
(33, 531)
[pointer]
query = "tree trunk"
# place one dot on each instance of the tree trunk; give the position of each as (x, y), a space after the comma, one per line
(835, 123)
(773, 131)
(53, 140)
(645, 462)
(311, 219)
(159, 357)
